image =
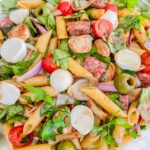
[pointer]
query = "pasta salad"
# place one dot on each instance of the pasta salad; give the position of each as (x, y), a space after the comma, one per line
(74, 74)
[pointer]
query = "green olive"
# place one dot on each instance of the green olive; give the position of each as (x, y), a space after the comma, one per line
(118, 70)
(124, 83)
(66, 145)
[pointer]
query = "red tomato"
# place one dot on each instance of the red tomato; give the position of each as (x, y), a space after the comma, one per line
(48, 65)
(102, 28)
(65, 8)
(145, 58)
(111, 7)
(15, 137)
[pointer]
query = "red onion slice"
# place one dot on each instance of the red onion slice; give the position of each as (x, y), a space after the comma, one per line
(32, 72)
(107, 87)
(130, 37)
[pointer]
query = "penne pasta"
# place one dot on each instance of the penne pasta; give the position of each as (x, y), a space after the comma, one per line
(118, 134)
(37, 81)
(146, 24)
(133, 113)
(48, 89)
(102, 145)
(43, 41)
(113, 148)
(6, 129)
(36, 147)
(34, 120)
(29, 4)
(124, 12)
(137, 50)
(134, 44)
(97, 111)
(79, 71)
(89, 140)
(77, 144)
(52, 45)
(59, 138)
(126, 139)
(61, 28)
(100, 98)
(141, 37)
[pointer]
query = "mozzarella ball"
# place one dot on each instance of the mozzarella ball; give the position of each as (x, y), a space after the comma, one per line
(82, 119)
(17, 16)
(9, 93)
(128, 60)
(13, 50)
(60, 80)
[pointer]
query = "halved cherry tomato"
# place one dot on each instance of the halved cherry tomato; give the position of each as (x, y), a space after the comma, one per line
(102, 28)
(145, 58)
(111, 7)
(16, 139)
(65, 8)
(48, 65)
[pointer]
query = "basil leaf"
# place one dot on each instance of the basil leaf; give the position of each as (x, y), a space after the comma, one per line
(2, 113)
(14, 110)
(64, 46)
(74, 16)
(53, 2)
(110, 140)
(123, 123)
(126, 3)
(145, 95)
(16, 119)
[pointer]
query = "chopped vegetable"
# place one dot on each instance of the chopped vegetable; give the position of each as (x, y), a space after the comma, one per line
(131, 22)
(8, 5)
(61, 58)
(40, 94)
(28, 23)
(53, 2)
(145, 95)
(47, 132)
(126, 3)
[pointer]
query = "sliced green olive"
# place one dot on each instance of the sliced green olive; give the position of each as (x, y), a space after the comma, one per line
(66, 145)
(124, 83)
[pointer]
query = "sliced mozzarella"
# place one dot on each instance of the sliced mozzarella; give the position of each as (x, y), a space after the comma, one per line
(128, 60)
(13, 50)
(17, 16)
(60, 80)
(9, 93)
(112, 17)
(82, 119)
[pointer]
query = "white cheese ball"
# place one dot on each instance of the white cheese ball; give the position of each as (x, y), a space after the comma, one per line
(128, 60)
(13, 50)
(17, 16)
(9, 93)
(82, 119)
(61, 79)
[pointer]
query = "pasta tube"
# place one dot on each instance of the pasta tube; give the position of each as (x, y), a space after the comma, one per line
(113, 148)
(61, 28)
(33, 121)
(37, 81)
(36, 147)
(6, 129)
(103, 101)
(118, 134)
(97, 111)
(52, 45)
(48, 89)
(133, 114)
(43, 41)
(141, 37)
(102, 145)
(29, 4)
(79, 71)
(126, 139)
(137, 50)
(89, 140)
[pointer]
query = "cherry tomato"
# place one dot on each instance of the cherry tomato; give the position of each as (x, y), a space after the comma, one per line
(48, 65)
(15, 137)
(145, 58)
(102, 28)
(111, 7)
(65, 8)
